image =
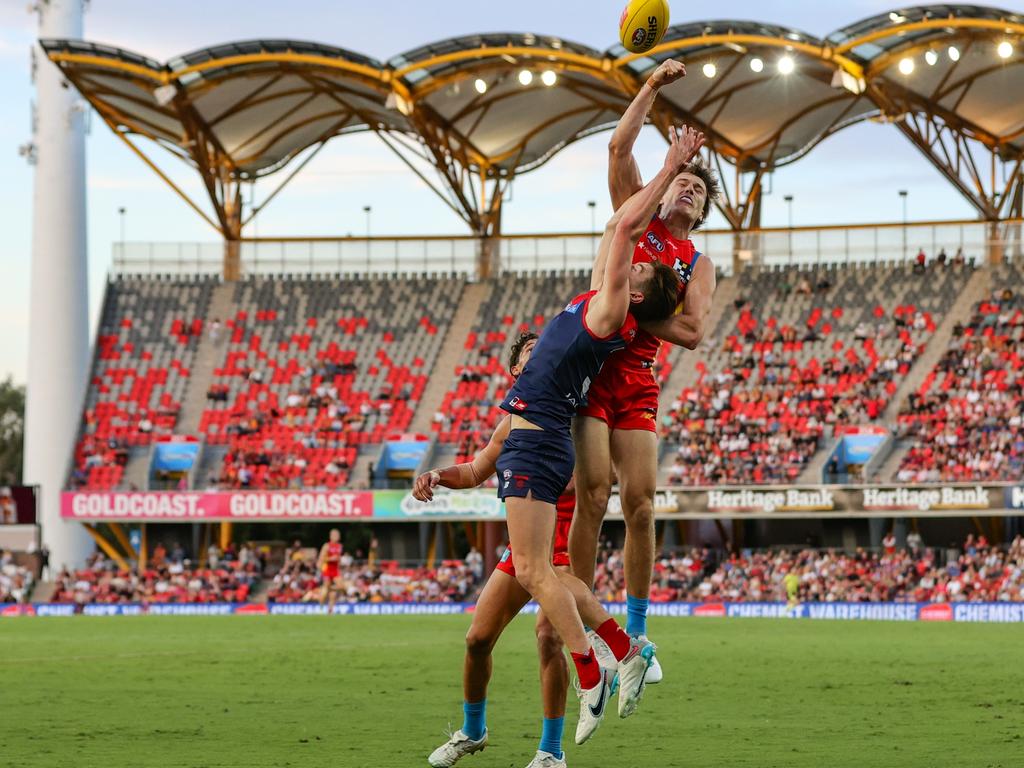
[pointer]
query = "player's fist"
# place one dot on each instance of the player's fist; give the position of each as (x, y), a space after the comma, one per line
(423, 488)
(667, 72)
(683, 145)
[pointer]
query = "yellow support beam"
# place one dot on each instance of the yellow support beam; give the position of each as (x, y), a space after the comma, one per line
(123, 540)
(143, 549)
(107, 547)
(225, 534)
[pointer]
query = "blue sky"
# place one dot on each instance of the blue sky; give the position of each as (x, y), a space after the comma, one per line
(851, 177)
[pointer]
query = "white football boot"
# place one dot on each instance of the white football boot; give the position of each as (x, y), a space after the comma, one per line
(457, 747)
(633, 671)
(547, 760)
(592, 705)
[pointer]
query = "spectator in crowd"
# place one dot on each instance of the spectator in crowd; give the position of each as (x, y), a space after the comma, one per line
(16, 581)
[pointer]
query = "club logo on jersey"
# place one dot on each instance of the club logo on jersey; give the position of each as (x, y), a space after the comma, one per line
(521, 480)
(684, 270)
(519, 405)
(654, 240)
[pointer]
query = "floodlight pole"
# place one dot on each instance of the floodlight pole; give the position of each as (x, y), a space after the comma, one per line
(58, 336)
(903, 197)
(592, 205)
(789, 206)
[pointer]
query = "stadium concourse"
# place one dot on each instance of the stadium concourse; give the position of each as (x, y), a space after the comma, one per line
(974, 572)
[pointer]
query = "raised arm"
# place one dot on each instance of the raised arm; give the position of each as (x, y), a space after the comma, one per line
(607, 310)
(687, 327)
(624, 178)
(468, 474)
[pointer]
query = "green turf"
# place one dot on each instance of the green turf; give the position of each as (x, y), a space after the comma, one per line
(323, 692)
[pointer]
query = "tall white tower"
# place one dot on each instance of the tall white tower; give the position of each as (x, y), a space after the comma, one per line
(59, 296)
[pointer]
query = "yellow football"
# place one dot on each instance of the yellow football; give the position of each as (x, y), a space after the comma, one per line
(643, 24)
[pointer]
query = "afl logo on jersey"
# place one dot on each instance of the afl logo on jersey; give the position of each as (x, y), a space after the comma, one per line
(653, 240)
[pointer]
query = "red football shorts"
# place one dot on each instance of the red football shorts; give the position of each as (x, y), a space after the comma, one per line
(331, 571)
(560, 556)
(624, 399)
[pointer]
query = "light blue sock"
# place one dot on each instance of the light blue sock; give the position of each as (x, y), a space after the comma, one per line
(551, 736)
(636, 615)
(474, 719)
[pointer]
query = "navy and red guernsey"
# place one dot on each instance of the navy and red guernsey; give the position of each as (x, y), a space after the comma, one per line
(567, 358)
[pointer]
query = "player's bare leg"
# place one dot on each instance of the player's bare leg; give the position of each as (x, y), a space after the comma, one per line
(635, 452)
(531, 527)
(502, 598)
(554, 685)
(593, 487)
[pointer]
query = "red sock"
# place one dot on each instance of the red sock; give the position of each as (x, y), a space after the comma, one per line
(587, 669)
(616, 640)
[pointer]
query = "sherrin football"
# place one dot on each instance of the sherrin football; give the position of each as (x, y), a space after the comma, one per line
(643, 24)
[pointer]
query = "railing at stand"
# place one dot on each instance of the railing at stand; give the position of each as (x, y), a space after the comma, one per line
(532, 253)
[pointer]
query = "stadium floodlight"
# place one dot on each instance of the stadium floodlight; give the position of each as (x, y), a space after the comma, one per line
(525, 77)
(480, 85)
(756, 64)
(709, 70)
(1005, 49)
(906, 65)
(786, 65)
(548, 77)
(931, 57)
(954, 53)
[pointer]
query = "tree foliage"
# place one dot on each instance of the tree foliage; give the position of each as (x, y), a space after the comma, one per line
(12, 431)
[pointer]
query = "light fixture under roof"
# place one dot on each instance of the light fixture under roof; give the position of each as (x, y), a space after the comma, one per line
(931, 57)
(954, 53)
(525, 77)
(1005, 49)
(548, 77)
(756, 64)
(906, 66)
(709, 70)
(786, 65)
(481, 85)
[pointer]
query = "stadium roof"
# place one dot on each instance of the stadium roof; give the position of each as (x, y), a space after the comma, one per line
(481, 108)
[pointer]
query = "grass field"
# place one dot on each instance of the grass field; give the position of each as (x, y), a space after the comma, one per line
(252, 691)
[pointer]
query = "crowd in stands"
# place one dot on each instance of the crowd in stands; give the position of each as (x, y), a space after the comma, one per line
(16, 581)
(168, 577)
(760, 419)
(967, 418)
(981, 573)
(376, 581)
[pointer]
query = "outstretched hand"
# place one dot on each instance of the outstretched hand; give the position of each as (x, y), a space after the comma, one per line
(683, 145)
(667, 72)
(423, 488)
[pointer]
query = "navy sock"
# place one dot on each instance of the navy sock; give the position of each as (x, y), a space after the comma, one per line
(551, 736)
(636, 615)
(474, 719)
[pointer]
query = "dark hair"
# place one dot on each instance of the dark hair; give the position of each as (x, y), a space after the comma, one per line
(661, 295)
(517, 348)
(699, 169)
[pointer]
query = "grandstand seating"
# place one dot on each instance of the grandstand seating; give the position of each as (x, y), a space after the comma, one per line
(453, 581)
(231, 579)
(313, 368)
(148, 335)
(807, 350)
(309, 369)
(512, 304)
(967, 418)
(980, 573)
